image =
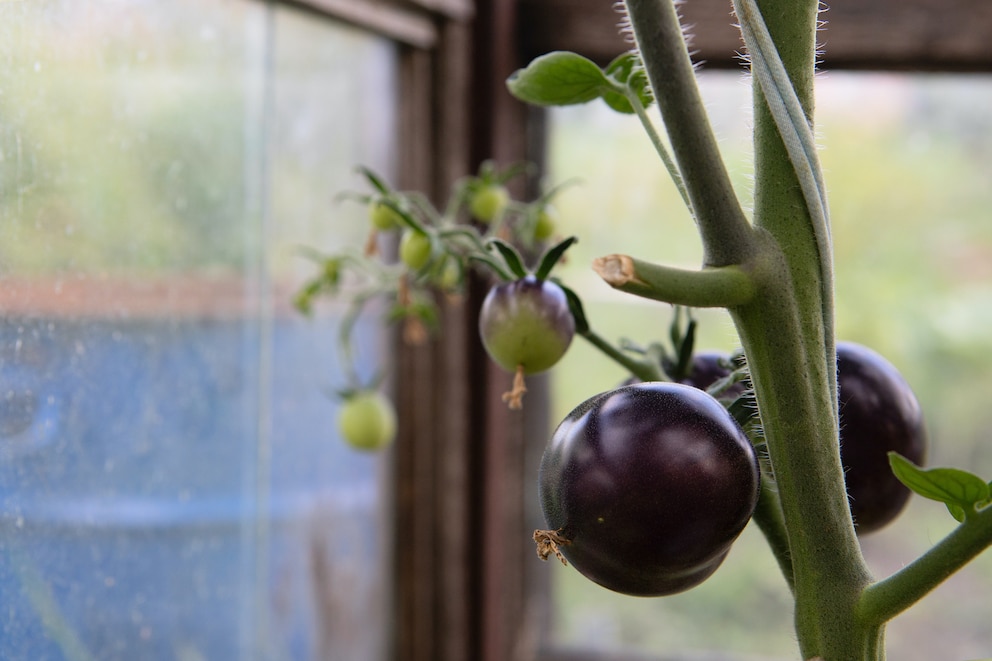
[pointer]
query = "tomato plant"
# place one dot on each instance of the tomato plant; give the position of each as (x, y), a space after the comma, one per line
(646, 487)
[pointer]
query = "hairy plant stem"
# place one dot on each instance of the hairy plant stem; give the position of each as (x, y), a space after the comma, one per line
(784, 332)
(768, 517)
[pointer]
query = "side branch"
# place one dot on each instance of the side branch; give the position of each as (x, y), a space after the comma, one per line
(712, 287)
(882, 601)
(721, 221)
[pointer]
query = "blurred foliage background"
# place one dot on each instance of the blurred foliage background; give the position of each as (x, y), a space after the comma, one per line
(907, 161)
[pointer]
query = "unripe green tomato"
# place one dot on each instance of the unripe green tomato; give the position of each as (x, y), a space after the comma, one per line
(383, 217)
(367, 421)
(526, 324)
(415, 249)
(545, 225)
(450, 275)
(488, 202)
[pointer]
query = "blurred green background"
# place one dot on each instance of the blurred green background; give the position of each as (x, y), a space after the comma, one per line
(908, 161)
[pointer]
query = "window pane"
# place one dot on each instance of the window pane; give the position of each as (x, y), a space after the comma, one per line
(906, 160)
(171, 483)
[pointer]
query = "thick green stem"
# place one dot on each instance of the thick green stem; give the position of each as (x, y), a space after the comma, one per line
(784, 332)
(768, 516)
(884, 600)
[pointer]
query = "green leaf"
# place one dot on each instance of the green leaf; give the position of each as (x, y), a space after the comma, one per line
(575, 306)
(375, 180)
(956, 511)
(628, 72)
(510, 255)
(685, 348)
(558, 78)
(552, 257)
(960, 490)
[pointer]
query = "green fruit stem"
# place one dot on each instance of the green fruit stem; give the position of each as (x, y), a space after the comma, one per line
(887, 598)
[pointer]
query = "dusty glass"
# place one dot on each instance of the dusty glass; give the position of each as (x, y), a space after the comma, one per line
(171, 481)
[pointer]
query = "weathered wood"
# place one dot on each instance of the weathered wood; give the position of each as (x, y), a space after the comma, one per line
(948, 35)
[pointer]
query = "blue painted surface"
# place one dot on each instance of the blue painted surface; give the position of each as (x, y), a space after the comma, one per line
(176, 490)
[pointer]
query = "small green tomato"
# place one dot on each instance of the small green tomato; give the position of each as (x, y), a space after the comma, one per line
(545, 225)
(488, 202)
(383, 217)
(367, 421)
(449, 276)
(415, 249)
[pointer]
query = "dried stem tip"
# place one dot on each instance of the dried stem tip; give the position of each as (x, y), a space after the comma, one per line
(548, 542)
(515, 398)
(615, 270)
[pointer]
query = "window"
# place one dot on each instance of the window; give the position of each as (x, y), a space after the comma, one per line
(171, 484)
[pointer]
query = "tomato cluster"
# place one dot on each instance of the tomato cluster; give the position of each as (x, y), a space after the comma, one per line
(646, 487)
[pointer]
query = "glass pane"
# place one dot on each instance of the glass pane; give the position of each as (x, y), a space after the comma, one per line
(171, 485)
(906, 160)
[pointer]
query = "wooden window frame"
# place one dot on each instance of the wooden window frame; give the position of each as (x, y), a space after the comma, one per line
(459, 459)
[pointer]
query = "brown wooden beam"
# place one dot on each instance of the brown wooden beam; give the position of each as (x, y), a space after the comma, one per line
(927, 35)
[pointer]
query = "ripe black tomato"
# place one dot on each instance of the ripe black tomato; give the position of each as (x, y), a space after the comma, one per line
(526, 324)
(648, 485)
(878, 413)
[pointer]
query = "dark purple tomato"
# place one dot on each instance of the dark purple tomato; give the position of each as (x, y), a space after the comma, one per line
(707, 368)
(648, 486)
(878, 413)
(526, 324)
